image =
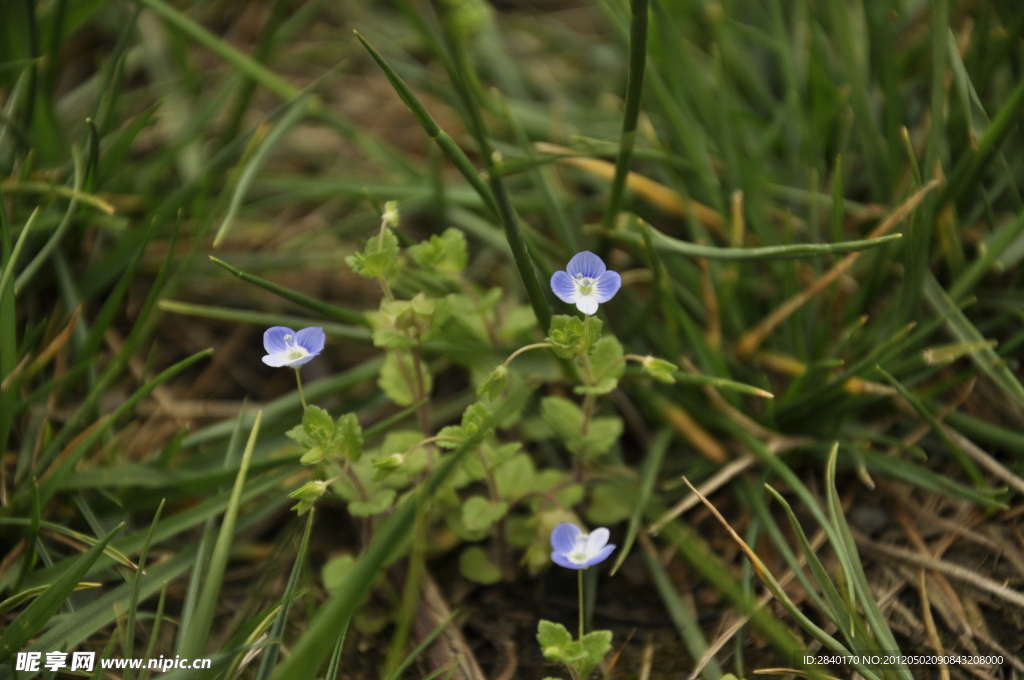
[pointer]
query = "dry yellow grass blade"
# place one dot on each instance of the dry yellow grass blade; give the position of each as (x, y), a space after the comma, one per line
(658, 195)
(690, 429)
(753, 338)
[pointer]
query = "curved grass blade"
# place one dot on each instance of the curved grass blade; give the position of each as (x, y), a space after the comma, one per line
(494, 197)
(128, 647)
(634, 95)
(26, 595)
(194, 641)
(30, 270)
(37, 614)
(420, 648)
(674, 245)
(295, 112)
(264, 319)
(277, 631)
(335, 663)
(330, 311)
(12, 261)
(310, 650)
(649, 475)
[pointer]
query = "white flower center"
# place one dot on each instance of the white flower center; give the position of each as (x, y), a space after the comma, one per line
(296, 352)
(579, 552)
(585, 284)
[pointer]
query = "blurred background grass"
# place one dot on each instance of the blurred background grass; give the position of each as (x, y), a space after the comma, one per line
(132, 134)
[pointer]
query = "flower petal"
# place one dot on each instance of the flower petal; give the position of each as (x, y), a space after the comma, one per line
(276, 359)
(273, 339)
(586, 263)
(564, 287)
(607, 286)
(601, 556)
(311, 339)
(587, 304)
(563, 561)
(563, 538)
(597, 539)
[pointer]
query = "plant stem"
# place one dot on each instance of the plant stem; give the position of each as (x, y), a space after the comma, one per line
(421, 393)
(302, 395)
(525, 348)
(580, 581)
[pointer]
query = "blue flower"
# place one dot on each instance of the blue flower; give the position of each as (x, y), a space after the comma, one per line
(285, 347)
(574, 549)
(586, 282)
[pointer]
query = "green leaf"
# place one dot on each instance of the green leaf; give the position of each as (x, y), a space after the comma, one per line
(610, 504)
(313, 456)
(566, 335)
(299, 436)
(565, 418)
(554, 640)
(479, 513)
(336, 570)
(603, 434)
(348, 437)
(476, 565)
(516, 478)
(380, 257)
(495, 383)
(377, 503)
(606, 366)
(389, 338)
(445, 253)
(392, 379)
(596, 644)
(319, 426)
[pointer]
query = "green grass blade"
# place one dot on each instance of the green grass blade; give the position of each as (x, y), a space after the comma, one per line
(420, 648)
(294, 113)
(269, 659)
(264, 319)
(964, 331)
(12, 261)
(335, 662)
(634, 96)
(330, 311)
(962, 458)
(133, 601)
(36, 615)
(673, 245)
(682, 616)
(194, 642)
(648, 476)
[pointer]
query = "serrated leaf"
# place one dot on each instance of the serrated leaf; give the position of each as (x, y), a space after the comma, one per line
(554, 640)
(566, 336)
(389, 338)
(479, 513)
(446, 253)
(596, 644)
(298, 435)
(378, 259)
(377, 503)
(319, 426)
(348, 437)
(476, 565)
(392, 379)
(606, 366)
